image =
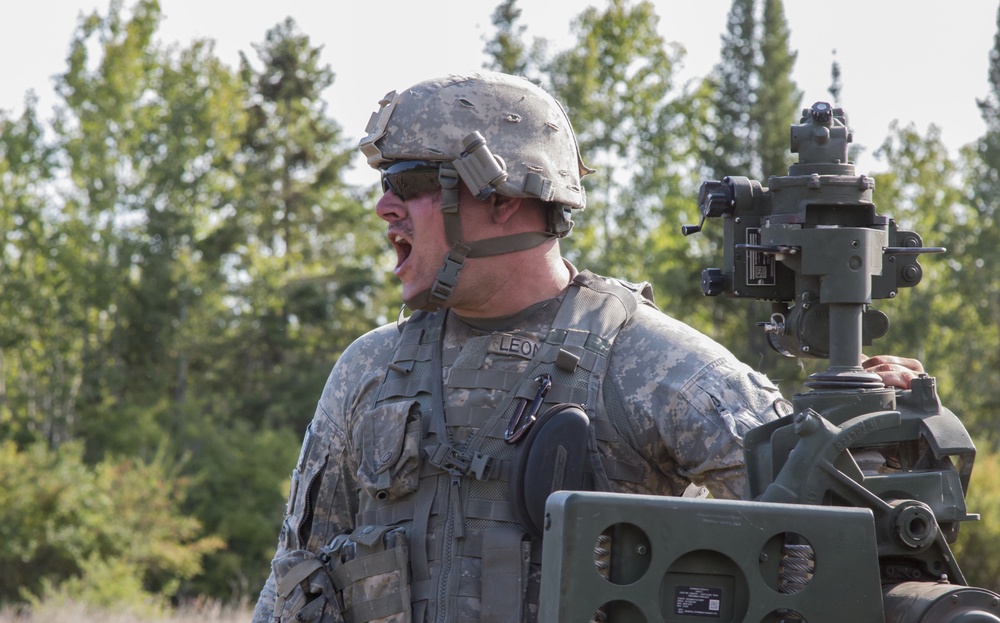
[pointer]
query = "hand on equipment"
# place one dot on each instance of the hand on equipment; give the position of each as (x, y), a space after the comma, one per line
(894, 371)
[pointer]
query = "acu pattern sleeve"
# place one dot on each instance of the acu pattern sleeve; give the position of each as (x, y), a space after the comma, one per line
(689, 404)
(323, 499)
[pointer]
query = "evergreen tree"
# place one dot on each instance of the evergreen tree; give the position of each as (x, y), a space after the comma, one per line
(754, 102)
(732, 136)
(777, 102)
(314, 259)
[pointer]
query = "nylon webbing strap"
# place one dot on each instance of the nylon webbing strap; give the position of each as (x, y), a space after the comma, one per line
(425, 493)
(482, 379)
(297, 574)
(398, 388)
(504, 570)
(448, 178)
(287, 583)
(375, 609)
(365, 567)
(508, 244)
(395, 382)
(418, 539)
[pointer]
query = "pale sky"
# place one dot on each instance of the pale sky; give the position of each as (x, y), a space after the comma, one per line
(919, 61)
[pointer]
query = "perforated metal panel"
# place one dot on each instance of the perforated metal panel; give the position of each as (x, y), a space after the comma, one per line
(678, 560)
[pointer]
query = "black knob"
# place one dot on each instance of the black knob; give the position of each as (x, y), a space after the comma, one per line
(713, 282)
(822, 112)
(716, 198)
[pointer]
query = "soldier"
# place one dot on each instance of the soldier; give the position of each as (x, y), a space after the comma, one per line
(410, 500)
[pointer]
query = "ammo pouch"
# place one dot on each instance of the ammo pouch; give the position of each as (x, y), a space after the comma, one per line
(551, 458)
(305, 590)
(389, 439)
(362, 577)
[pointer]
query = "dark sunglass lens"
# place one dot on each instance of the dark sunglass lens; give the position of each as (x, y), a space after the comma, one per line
(410, 178)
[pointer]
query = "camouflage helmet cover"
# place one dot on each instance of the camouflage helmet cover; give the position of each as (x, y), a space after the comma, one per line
(525, 130)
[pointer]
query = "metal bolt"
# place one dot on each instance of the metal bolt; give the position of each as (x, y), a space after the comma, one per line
(641, 550)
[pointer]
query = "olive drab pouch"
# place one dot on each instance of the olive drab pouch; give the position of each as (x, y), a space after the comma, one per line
(305, 590)
(372, 576)
(388, 440)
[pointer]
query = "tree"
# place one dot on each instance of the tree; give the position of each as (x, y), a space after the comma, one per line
(313, 263)
(506, 48)
(976, 246)
(147, 136)
(86, 532)
(628, 138)
(920, 193)
(754, 102)
(777, 102)
(40, 348)
(731, 137)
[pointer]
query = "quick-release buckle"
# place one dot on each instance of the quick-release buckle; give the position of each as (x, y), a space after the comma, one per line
(526, 414)
(448, 459)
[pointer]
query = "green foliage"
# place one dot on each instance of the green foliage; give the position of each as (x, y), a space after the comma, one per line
(238, 493)
(39, 351)
(627, 139)
(975, 548)
(730, 136)
(182, 264)
(312, 257)
(974, 248)
(777, 103)
(934, 321)
(114, 529)
(744, 132)
(506, 48)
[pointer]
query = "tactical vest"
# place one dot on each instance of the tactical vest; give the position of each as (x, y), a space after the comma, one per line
(446, 505)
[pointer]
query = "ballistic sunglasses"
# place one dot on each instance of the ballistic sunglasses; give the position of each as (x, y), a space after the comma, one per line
(409, 178)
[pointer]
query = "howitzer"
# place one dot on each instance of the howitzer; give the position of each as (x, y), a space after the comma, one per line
(856, 495)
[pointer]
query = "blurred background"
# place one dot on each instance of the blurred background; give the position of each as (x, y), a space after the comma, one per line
(189, 240)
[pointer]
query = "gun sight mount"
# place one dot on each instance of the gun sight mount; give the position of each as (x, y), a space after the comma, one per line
(813, 245)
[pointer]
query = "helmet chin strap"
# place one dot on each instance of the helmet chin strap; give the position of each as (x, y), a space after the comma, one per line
(437, 295)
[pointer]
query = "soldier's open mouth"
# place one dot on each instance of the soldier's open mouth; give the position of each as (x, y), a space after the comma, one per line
(402, 247)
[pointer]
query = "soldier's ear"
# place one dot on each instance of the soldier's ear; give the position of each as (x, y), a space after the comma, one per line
(502, 209)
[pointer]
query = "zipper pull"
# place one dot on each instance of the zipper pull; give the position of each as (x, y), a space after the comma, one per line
(456, 505)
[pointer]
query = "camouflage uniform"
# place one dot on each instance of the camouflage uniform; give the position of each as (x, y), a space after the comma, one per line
(683, 404)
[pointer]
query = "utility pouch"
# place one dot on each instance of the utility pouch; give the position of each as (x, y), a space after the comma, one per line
(551, 458)
(388, 439)
(305, 590)
(373, 576)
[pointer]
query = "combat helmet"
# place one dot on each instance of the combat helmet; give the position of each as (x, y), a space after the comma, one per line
(497, 133)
